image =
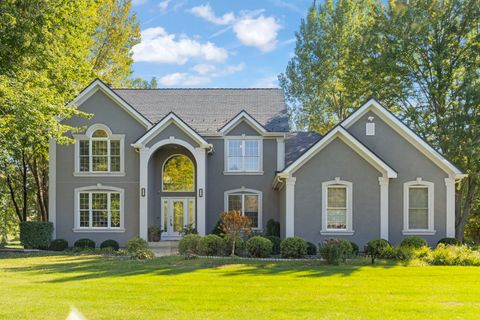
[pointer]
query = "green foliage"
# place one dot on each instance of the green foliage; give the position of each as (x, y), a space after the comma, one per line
(142, 254)
(179, 174)
(335, 250)
(211, 245)
(311, 249)
(413, 242)
(379, 248)
(355, 248)
(188, 245)
(136, 244)
(110, 244)
(218, 229)
(240, 246)
(276, 241)
(460, 255)
(58, 245)
(189, 229)
(293, 248)
(273, 228)
(84, 244)
(449, 241)
(259, 247)
(36, 234)
(154, 233)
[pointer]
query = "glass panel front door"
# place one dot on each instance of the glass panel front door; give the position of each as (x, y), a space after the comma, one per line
(177, 213)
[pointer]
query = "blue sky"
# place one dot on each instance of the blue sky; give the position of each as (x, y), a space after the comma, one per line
(190, 43)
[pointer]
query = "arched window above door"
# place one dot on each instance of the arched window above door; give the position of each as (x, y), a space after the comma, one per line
(178, 174)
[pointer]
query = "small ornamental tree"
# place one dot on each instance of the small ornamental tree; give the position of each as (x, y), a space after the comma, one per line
(234, 226)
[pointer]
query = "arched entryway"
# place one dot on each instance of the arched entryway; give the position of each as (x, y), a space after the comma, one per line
(172, 196)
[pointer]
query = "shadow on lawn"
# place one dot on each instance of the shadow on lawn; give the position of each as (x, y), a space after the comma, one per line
(83, 267)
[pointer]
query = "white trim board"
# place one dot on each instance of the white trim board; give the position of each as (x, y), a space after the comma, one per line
(99, 85)
(347, 138)
(164, 123)
(404, 131)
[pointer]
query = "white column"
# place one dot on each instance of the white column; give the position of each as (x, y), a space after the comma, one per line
(52, 185)
(450, 207)
(280, 154)
(290, 207)
(200, 157)
(383, 181)
(143, 211)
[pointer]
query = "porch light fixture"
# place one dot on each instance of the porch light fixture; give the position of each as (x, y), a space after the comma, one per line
(143, 192)
(200, 192)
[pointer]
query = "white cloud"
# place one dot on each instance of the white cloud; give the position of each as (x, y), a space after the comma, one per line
(260, 32)
(267, 82)
(163, 5)
(138, 2)
(213, 71)
(161, 47)
(184, 79)
(252, 28)
(205, 11)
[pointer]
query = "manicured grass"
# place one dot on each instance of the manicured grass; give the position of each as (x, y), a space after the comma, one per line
(47, 287)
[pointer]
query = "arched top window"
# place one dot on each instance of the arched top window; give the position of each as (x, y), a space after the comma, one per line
(99, 151)
(178, 174)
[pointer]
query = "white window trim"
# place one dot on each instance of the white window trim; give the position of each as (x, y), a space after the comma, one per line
(419, 182)
(349, 186)
(243, 191)
(243, 172)
(194, 172)
(88, 136)
(98, 189)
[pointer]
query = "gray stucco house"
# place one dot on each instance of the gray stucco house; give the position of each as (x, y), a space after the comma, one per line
(367, 178)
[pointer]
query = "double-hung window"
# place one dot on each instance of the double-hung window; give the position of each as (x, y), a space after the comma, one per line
(337, 206)
(247, 202)
(99, 151)
(243, 155)
(418, 207)
(99, 209)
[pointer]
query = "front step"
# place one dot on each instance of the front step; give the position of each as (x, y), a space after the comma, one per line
(164, 248)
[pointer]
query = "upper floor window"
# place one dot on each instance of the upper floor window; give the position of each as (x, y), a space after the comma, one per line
(418, 207)
(178, 174)
(98, 208)
(99, 151)
(337, 206)
(248, 202)
(243, 155)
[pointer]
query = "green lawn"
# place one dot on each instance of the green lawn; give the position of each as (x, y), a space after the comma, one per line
(47, 287)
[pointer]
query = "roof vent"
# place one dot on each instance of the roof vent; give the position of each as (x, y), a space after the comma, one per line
(370, 127)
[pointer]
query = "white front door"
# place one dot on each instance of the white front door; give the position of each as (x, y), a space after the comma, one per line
(177, 213)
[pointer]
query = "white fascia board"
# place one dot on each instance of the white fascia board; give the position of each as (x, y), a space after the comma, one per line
(165, 122)
(99, 85)
(353, 143)
(406, 133)
(243, 116)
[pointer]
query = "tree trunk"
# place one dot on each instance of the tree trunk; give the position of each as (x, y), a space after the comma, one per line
(463, 205)
(40, 190)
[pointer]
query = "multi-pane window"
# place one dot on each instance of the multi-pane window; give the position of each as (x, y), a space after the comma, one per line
(99, 209)
(178, 174)
(417, 207)
(248, 204)
(337, 207)
(99, 153)
(243, 155)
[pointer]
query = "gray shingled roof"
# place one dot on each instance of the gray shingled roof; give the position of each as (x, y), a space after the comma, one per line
(208, 110)
(296, 143)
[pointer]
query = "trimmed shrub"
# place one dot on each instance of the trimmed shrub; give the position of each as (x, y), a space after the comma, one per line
(355, 249)
(311, 249)
(110, 244)
(58, 245)
(449, 242)
(413, 242)
(405, 252)
(379, 248)
(293, 248)
(259, 247)
(276, 243)
(188, 245)
(211, 245)
(84, 244)
(273, 228)
(218, 230)
(240, 246)
(334, 250)
(137, 248)
(36, 234)
(452, 255)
